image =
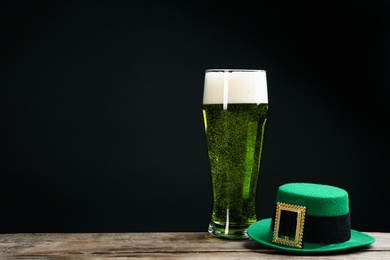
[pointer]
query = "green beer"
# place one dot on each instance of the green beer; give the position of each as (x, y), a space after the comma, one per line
(234, 133)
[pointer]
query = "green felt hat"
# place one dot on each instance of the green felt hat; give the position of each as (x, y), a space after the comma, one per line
(309, 218)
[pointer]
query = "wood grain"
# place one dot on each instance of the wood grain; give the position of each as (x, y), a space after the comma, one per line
(173, 245)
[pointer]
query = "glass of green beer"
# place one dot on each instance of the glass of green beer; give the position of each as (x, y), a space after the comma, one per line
(235, 109)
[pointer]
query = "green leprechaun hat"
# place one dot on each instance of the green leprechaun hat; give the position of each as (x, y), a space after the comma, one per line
(309, 218)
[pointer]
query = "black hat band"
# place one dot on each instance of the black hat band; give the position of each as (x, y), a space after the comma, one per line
(317, 229)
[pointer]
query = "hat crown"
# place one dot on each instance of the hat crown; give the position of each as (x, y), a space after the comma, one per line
(319, 199)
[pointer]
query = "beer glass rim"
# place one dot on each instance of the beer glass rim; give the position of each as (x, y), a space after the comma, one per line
(234, 70)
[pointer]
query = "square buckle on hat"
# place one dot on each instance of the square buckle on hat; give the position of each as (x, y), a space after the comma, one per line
(289, 212)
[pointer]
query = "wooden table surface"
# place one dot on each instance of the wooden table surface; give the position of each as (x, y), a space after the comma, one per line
(174, 245)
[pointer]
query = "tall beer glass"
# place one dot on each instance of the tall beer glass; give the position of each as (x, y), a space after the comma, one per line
(235, 109)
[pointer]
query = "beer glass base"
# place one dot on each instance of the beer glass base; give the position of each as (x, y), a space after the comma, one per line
(228, 232)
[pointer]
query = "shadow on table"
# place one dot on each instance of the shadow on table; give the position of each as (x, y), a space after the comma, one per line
(256, 247)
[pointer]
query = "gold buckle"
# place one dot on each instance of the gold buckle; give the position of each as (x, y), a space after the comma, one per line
(285, 240)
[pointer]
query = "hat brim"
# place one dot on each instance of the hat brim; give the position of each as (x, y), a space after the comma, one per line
(261, 233)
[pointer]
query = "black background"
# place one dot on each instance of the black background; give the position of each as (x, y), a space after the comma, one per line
(100, 105)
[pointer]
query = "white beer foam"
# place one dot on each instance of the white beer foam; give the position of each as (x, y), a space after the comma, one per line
(235, 86)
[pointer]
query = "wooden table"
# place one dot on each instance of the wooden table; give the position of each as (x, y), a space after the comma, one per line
(183, 245)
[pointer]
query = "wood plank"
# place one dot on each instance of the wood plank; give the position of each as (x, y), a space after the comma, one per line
(189, 245)
(216, 255)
